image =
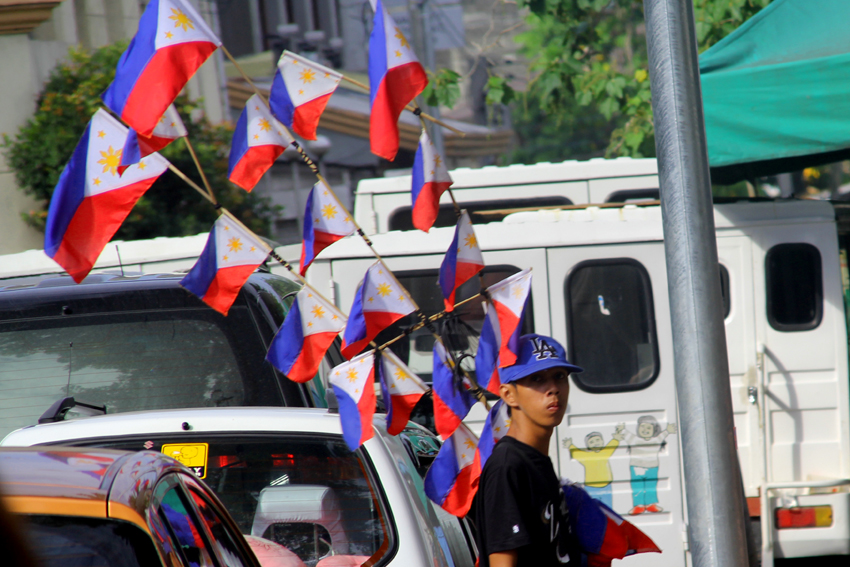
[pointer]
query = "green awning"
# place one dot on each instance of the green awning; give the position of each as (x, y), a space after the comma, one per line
(776, 91)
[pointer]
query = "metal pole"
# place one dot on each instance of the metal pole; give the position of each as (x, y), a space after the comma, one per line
(420, 19)
(712, 478)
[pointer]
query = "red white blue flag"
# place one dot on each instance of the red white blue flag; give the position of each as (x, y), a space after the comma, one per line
(430, 179)
(353, 383)
(92, 199)
(231, 255)
(452, 401)
(401, 388)
(463, 260)
(300, 92)
(379, 302)
(508, 298)
(258, 141)
(395, 78)
(172, 42)
(169, 128)
(326, 220)
(310, 327)
(495, 426)
(452, 480)
(487, 355)
(602, 534)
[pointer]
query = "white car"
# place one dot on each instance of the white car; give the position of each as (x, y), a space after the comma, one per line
(286, 475)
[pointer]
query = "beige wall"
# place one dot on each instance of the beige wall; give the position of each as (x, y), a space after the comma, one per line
(92, 24)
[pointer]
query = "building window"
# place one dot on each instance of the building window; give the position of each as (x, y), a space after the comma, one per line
(611, 325)
(794, 287)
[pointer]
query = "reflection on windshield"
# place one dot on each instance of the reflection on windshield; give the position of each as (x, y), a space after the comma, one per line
(311, 496)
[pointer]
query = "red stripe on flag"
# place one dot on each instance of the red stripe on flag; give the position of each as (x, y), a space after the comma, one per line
(507, 325)
(225, 287)
(161, 81)
(305, 119)
(428, 204)
(366, 406)
(402, 408)
(95, 222)
(400, 85)
(459, 498)
(254, 164)
(312, 352)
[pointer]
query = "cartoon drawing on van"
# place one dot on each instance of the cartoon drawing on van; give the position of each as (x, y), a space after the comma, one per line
(594, 459)
(643, 463)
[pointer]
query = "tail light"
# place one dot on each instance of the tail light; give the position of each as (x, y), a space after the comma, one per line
(804, 517)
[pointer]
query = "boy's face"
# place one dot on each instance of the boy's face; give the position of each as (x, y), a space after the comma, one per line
(595, 443)
(542, 396)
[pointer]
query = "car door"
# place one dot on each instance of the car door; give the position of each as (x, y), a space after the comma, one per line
(620, 437)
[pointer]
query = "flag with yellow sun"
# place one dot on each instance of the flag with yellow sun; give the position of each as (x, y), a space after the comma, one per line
(91, 199)
(300, 92)
(258, 141)
(231, 255)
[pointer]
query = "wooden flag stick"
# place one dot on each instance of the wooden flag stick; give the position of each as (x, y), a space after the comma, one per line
(192, 184)
(414, 109)
(200, 169)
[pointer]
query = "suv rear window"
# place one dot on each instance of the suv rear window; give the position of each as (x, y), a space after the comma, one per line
(132, 361)
(311, 495)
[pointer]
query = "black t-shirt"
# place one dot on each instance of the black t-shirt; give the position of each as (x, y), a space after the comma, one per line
(520, 505)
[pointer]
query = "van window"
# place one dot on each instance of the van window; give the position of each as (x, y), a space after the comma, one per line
(611, 325)
(794, 287)
(480, 212)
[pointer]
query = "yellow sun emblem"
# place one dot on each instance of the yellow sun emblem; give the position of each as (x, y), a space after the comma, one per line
(400, 374)
(181, 19)
(329, 211)
(318, 312)
(401, 38)
(307, 76)
(351, 375)
(384, 289)
(234, 244)
(469, 443)
(517, 291)
(437, 160)
(264, 125)
(111, 160)
(470, 241)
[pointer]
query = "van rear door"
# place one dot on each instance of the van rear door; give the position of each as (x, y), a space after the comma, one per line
(620, 438)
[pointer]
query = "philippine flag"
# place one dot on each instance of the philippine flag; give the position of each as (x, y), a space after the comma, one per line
(508, 298)
(310, 327)
(452, 480)
(379, 302)
(430, 179)
(395, 78)
(325, 222)
(463, 260)
(172, 42)
(495, 426)
(92, 199)
(300, 92)
(258, 141)
(401, 389)
(600, 532)
(452, 401)
(353, 383)
(487, 355)
(169, 128)
(231, 255)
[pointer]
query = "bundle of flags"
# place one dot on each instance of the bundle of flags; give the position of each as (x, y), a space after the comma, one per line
(310, 327)
(300, 92)
(258, 141)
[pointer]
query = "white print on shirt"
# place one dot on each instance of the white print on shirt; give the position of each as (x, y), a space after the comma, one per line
(516, 528)
(554, 528)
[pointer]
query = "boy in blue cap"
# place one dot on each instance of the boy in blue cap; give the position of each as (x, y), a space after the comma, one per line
(519, 510)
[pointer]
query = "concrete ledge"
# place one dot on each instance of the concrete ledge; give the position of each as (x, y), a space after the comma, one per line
(22, 16)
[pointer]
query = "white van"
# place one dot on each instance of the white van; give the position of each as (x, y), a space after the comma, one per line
(600, 287)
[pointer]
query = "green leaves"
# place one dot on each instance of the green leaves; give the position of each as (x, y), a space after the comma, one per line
(498, 90)
(443, 88)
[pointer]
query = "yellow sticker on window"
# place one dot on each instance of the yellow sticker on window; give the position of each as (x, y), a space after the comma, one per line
(193, 455)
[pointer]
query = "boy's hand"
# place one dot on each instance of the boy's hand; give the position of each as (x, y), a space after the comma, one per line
(671, 428)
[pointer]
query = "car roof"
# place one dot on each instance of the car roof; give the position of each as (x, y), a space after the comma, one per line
(197, 420)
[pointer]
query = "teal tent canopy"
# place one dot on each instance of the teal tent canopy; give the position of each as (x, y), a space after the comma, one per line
(776, 91)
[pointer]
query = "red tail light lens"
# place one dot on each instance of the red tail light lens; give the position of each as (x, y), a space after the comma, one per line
(804, 517)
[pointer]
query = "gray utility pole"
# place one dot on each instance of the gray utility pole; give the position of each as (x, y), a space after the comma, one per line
(712, 478)
(420, 23)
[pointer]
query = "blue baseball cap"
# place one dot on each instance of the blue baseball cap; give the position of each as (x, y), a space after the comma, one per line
(536, 353)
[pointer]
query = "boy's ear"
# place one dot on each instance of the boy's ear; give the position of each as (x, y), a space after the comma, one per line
(508, 394)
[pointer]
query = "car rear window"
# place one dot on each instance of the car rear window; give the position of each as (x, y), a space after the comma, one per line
(132, 361)
(68, 541)
(311, 495)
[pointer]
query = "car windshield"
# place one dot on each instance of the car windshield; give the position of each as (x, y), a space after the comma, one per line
(70, 541)
(310, 494)
(132, 361)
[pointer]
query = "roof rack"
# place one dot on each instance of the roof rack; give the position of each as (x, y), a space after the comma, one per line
(60, 408)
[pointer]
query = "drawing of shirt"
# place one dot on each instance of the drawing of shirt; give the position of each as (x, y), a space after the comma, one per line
(644, 452)
(597, 471)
